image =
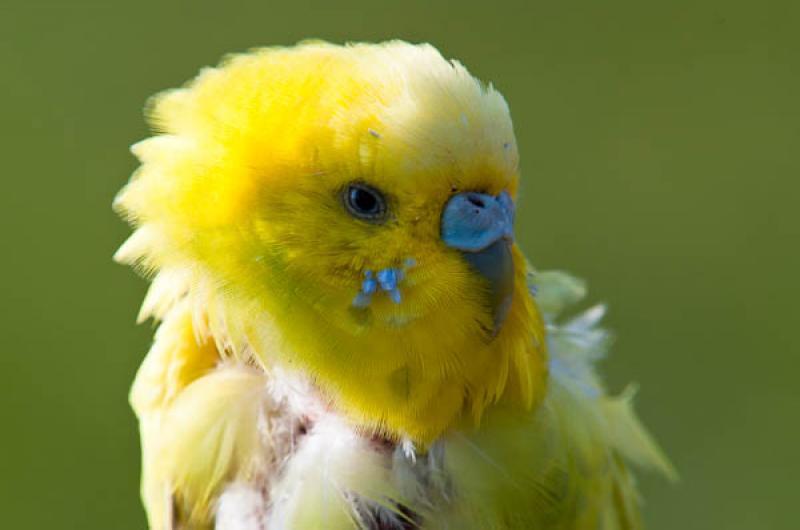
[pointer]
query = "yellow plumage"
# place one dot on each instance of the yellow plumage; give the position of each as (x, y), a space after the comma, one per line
(270, 396)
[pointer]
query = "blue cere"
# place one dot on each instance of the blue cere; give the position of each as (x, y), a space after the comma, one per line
(472, 221)
(481, 227)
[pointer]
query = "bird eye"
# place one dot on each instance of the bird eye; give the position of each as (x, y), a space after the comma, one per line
(364, 202)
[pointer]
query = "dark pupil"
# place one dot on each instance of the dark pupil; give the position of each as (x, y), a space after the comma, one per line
(363, 201)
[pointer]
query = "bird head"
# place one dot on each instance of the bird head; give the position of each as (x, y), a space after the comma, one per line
(347, 212)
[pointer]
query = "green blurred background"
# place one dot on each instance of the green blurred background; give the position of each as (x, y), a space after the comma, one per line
(659, 147)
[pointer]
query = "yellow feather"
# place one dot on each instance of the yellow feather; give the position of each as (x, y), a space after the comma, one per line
(263, 144)
(238, 217)
(210, 436)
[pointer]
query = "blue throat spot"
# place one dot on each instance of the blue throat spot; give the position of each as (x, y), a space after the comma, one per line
(386, 280)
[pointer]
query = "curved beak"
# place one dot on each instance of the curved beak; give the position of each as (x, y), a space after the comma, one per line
(481, 226)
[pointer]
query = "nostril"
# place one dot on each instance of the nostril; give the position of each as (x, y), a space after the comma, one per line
(476, 200)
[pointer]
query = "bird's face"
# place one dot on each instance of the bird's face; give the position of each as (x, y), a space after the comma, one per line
(373, 249)
(398, 273)
(355, 206)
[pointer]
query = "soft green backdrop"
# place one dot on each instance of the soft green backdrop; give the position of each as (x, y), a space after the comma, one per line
(660, 153)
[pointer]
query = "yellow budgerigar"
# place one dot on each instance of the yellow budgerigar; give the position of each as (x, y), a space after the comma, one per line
(349, 336)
